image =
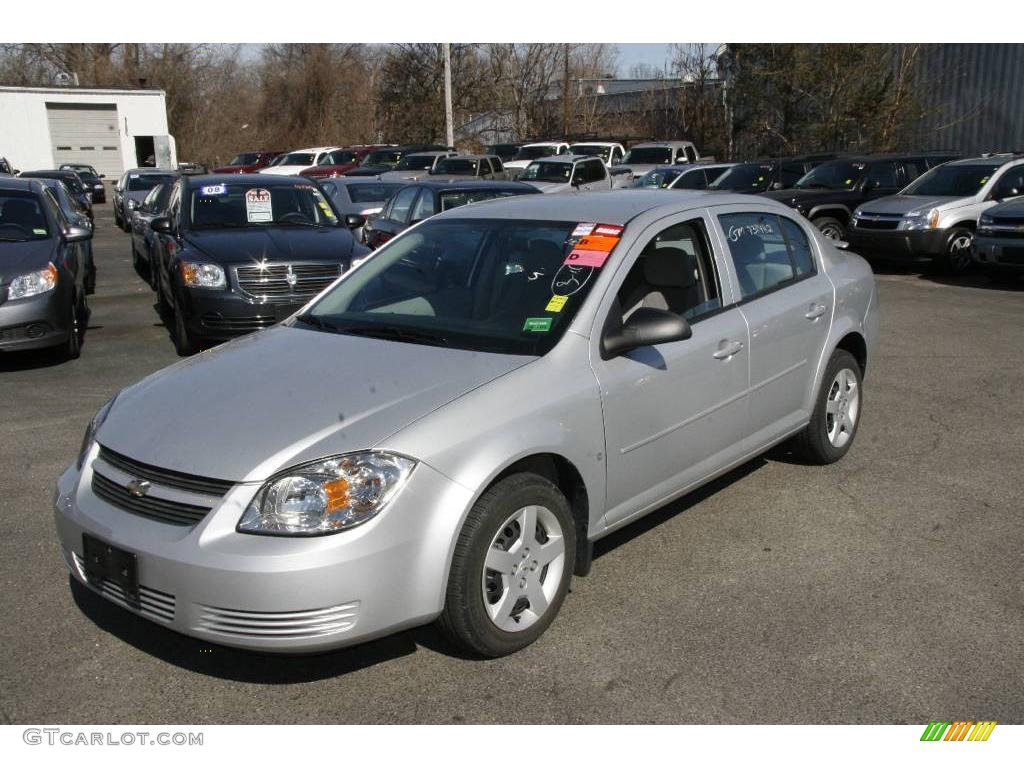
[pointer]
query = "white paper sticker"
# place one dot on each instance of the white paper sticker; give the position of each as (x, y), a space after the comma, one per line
(583, 229)
(257, 206)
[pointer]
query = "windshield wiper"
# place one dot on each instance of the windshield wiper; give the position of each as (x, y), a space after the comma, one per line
(295, 224)
(395, 333)
(814, 185)
(316, 322)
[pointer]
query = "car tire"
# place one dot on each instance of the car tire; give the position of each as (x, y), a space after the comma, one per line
(830, 227)
(184, 343)
(957, 258)
(72, 348)
(490, 611)
(837, 412)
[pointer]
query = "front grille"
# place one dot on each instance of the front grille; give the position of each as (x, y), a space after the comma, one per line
(162, 510)
(877, 223)
(216, 322)
(288, 283)
(168, 478)
(291, 625)
(153, 603)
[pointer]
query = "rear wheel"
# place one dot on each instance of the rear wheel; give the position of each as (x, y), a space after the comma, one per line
(511, 567)
(830, 227)
(836, 415)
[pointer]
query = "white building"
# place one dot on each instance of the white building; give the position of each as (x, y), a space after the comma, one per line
(112, 130)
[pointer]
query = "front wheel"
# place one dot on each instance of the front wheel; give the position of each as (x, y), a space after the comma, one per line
(957, 257)
(831, 228)
(184, 343)
(511, 567)
(836, 415)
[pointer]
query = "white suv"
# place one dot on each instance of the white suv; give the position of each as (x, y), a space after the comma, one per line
(936, 215)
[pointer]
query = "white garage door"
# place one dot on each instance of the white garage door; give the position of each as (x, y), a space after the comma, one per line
(86, 133)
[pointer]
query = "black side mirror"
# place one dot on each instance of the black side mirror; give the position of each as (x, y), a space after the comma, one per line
(75, 234)
(354, 221)
(161, 224)
(646, 327)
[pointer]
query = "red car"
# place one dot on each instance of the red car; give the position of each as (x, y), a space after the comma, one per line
(248, 162)
(340, 160)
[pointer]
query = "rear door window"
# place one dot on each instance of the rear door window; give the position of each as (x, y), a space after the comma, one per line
(403, 204)
(759, 251)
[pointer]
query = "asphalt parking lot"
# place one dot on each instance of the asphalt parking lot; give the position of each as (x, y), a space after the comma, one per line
(887, 588)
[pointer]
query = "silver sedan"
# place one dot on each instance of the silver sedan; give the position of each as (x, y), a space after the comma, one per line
(444, 432)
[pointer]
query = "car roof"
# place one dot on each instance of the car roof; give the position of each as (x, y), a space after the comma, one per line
(594, 144)
(346, 180)
(662, 144)
(617, 206)
(312, 149)
(48, 173)
(565, 158)
(23, 185)
(471, 184)
(983, 160)
(469, 157)
(164, 171)
(542, 144)
(256, 179)
(687, 167)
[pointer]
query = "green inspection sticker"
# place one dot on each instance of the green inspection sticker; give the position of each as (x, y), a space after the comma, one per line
(541, 324)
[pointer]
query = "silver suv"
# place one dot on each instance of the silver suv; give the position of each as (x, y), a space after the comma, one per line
(935, 216)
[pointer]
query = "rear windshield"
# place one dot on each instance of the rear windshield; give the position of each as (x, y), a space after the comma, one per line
(388, 157)
(659, 178)
(543, 170)
(451, 200)
(346, 157)
(416, 163)
(375, 192)
(591, 149)
(648, 155)
(953, 180)
(836, 175)
(747, 177)
(457, 166)
(223, 206)
(246, 158)
(532, 153)
(143, 182)
(21, 219)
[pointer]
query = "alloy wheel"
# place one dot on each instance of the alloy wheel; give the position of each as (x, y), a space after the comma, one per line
(842, 408)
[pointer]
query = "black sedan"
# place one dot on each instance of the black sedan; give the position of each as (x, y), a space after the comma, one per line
(74, 183)
(422, 199)
(42, 272)
(152, 206)
(237, 254)
(92, 180)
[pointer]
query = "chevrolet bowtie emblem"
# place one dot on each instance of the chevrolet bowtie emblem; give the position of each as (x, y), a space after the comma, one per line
(290, 278)
(138, 488)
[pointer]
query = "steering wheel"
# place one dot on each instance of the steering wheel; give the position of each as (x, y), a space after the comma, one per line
(297, 217)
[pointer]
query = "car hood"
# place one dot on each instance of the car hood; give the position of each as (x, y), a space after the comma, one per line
(793, 196)
(286, 170)
(247, 409)
(639, 169)
(903, 204)
(403, 175)
(234, 169)
(549, 187)
(241, 246)
(452, 177)
(21, 258)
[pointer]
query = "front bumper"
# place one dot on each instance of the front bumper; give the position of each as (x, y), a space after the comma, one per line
(906, 245)
(219, 315)
(272, 593)
(35, 322)
(1001, 252)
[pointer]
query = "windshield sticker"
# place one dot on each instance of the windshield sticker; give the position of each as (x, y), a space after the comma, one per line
(756, 230)
(38, 231)
(597, 243)
(537, 324)
(980, 183)
(257, 205)
(584, 258)
(848, 182)
(611, 230)
(216, 189)
(556, 304)
(569, 279)
(133, 175)
(583, 229)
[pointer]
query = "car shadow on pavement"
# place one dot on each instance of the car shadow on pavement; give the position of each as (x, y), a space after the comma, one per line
(231, 663)
(624, 535)
(974, 278)
(29, 360)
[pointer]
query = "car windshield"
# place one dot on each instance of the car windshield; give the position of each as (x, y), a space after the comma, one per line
(477, 284)
(591, 149)
(659, 178)
(746, 177)
(68, 177)
(532, 153)
(338, 158)
(143, 182)
(547, 171)
(416, 163)
(504, 151)
(246, 158)
(838, 174)
(649, 155)
(387, 157)
(296, 158)
(21, 219)
(86, 170)
(220, 206)
(953, 180)
(456, 166)
(462, 197)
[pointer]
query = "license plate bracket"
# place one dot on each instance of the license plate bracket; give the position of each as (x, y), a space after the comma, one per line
(104, 561)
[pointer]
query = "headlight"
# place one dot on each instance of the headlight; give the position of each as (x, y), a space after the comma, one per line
(90, 431)
(33, 283)
(327, 496)
(202, 275)
(132, 205)
(921, 220)
(986, 220)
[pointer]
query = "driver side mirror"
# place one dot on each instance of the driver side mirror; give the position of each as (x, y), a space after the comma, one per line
(161, 224)
(354, 221)
(775, 185)
(646, 327)
(76, 234)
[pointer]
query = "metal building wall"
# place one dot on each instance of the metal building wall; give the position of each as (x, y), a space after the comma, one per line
(973, 94)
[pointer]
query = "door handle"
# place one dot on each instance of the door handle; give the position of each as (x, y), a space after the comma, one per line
(727, 351)
(816, 311)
